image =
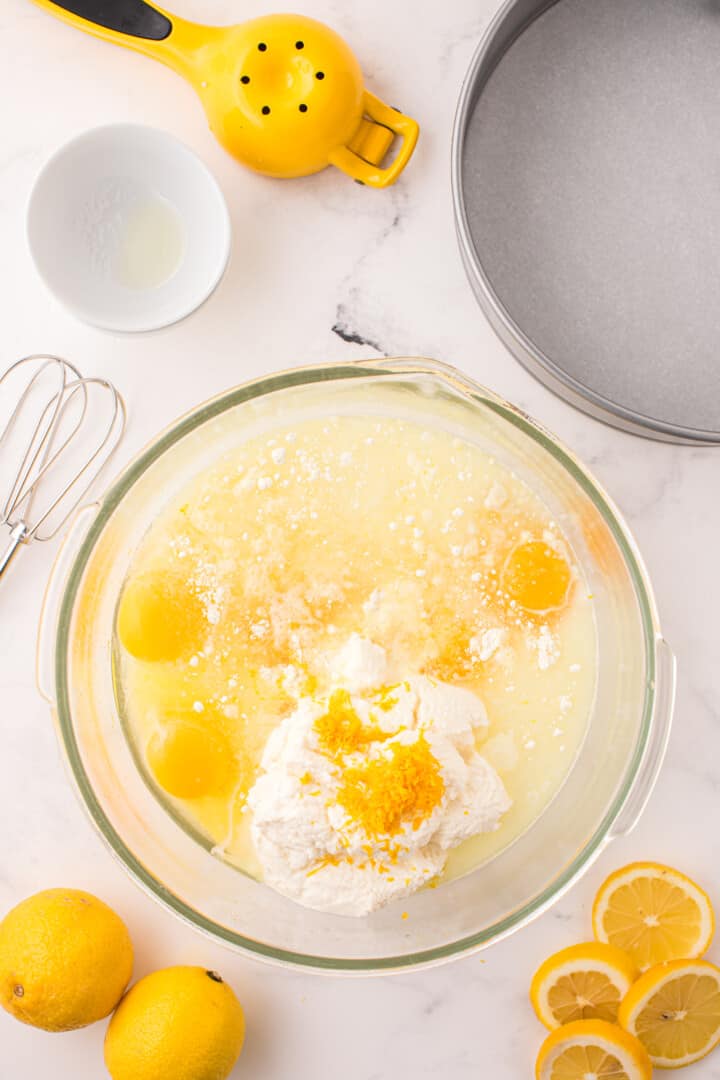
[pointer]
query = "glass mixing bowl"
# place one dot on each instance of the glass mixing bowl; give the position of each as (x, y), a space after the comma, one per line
(605, 791)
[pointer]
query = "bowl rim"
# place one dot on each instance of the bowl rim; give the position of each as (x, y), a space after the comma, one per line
(303, 376)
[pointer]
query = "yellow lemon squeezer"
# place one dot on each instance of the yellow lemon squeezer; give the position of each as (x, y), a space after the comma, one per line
(284, 94)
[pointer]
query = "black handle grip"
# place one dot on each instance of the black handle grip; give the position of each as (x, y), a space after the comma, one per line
(135, 18)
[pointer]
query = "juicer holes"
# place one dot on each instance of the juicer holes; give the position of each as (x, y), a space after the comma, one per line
(262, 46)
(302, 108)
(319, 74)
(299, 44)
(245, 79)
(265, 110)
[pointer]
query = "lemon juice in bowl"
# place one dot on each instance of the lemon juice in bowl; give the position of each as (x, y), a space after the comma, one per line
(356, 607)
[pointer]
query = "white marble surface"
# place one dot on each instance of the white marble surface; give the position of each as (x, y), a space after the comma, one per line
(312, 256)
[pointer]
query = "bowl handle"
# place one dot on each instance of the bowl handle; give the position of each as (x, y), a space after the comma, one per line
(665, 678)
(45, 653)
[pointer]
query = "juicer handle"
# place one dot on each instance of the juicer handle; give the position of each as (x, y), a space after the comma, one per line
(362, 158)
(52, 602)
(657, 741)
(137, 25)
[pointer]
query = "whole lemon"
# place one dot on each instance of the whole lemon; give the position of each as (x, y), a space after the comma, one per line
(65, 960)
(183, 1023)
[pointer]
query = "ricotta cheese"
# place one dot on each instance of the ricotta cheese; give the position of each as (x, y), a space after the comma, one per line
(364, 790)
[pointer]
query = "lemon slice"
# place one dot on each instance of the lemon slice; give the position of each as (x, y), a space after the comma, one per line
(674, 1010)
(584, 982)
(654, 914)
(592, 1048)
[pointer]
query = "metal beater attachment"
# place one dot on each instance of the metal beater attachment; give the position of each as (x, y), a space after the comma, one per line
(61, 431)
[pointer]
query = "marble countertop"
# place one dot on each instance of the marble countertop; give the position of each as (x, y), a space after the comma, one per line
(323, 270)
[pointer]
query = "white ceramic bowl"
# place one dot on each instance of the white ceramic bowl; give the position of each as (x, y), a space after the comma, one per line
(128, 228)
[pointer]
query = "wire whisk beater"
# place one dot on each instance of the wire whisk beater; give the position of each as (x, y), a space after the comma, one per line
(61, 431)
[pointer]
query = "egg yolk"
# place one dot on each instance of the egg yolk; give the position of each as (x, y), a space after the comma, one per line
(190, 760)
(536, 577)
(159, 618)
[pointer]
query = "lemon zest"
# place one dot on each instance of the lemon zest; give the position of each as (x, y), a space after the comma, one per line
(403, 786)
(330, 860)
(341, 731)
(386, 698)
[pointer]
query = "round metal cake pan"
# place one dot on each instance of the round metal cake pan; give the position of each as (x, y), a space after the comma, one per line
(586, 185)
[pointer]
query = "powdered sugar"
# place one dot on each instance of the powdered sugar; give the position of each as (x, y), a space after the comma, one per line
(484, 645)
(496, 497)
(547, 646)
